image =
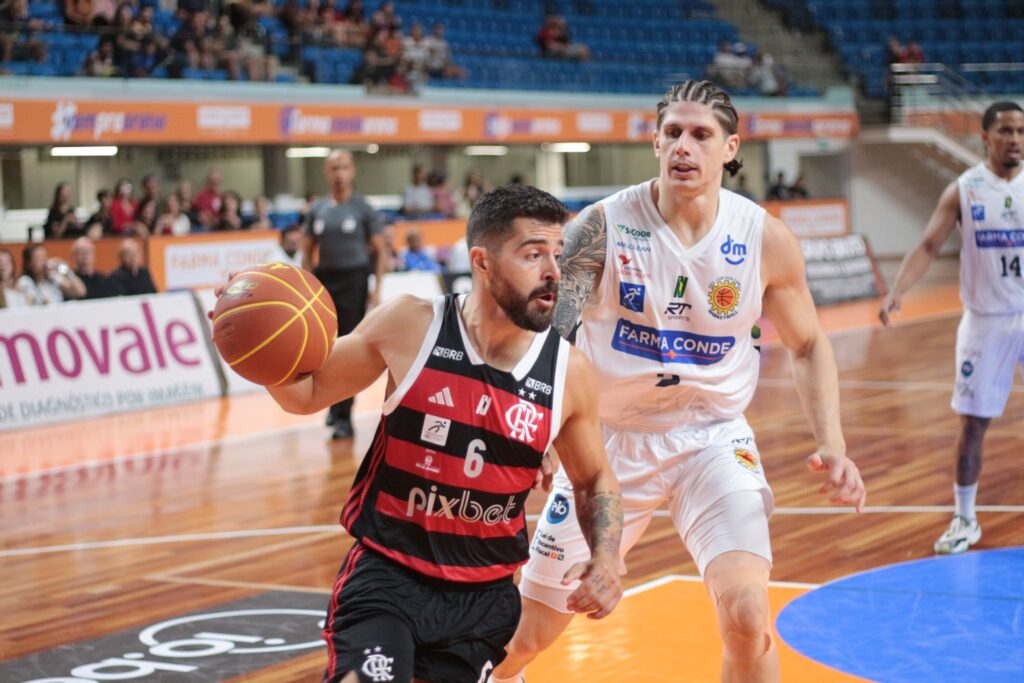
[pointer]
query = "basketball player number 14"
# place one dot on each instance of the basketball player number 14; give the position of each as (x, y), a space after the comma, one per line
(1013, 265)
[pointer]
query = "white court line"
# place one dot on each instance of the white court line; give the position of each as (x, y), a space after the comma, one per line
(335, 528)
(671, 578)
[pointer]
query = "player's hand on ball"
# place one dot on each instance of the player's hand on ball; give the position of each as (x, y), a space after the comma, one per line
(844, 482)
(600, 588)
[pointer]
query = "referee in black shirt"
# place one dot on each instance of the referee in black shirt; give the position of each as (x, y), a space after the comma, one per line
(344, 245)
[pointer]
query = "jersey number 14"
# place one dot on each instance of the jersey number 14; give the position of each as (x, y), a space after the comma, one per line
(1012, 266)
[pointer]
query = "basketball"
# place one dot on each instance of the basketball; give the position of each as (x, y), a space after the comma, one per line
(274, 323)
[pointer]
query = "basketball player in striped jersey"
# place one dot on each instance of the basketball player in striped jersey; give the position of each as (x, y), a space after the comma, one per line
(669, 277)
(987, 202)
(479, 387)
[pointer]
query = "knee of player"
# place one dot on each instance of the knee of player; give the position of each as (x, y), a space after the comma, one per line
(527, 644)
(744, 619)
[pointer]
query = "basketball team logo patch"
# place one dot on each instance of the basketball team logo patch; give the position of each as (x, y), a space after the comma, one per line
(723, 297)
(746, 458)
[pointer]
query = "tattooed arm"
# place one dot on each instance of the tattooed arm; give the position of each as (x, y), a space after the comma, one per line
(586, 245)
(598, 501)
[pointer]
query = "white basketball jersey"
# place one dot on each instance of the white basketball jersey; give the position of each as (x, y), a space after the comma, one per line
(669, 327)
(992, 249)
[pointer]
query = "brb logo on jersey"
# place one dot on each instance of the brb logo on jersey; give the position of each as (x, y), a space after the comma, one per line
(558, 511)
(724, 297)
(734, 252)
(631, 297)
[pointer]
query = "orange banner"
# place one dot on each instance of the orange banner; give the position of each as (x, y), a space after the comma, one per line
(813, 217)
(82, 121)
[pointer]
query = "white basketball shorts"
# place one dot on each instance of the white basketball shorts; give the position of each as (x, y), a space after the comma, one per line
(988, 350)
(694, 470)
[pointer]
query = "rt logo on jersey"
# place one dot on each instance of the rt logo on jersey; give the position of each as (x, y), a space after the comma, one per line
(734, 252)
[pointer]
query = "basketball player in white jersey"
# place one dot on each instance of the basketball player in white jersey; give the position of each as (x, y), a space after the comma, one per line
(669, 277)
(987, 201)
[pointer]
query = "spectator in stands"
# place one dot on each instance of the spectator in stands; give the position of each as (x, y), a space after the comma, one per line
(913, 54)
(150, 187)
(184, 193)
(392, 261)
(763, 75)
(207, 201)
(416, 198)
(230, 212)
(122, 212)
(731, 65)
(473, 188)
(100, 62)
(415, 257)
(356, 31)
(441, 194)
(415, 51)
(458, 258)
(260, 219)
(385, 18)
(61, 221)
(554, 41)
(47, 281)
(172, 220)
(290, 248)
(778, 190)
(83, 260)
(10, 295)
(101, 222)
(798, 190)
(18, 41)
(439, 56)
(131, 277)
(77, 13)
(144, 223)
(103, 12)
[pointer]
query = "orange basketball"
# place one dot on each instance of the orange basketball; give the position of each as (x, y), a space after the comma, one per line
(273, 323)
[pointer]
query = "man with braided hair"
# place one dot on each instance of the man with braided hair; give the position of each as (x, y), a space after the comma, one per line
(665, 280)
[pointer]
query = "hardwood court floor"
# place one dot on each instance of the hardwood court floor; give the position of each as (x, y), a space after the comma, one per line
(228, 499)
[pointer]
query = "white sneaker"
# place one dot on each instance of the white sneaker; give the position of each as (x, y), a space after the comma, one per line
(961, 535)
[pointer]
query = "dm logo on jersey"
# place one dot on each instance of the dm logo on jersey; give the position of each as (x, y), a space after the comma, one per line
(669, 346)
(522, 420)
(631, 297)
(724, 297)
(978, 212)
(558, 511)
(734, 252)
(967, 369)
(746, 458)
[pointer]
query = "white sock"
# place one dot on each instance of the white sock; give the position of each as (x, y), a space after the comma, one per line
(965, 497)
(516, 678)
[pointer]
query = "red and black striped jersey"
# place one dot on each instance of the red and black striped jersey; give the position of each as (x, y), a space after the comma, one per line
(443, 486)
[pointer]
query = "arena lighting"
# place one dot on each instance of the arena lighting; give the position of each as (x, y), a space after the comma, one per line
(486, 151)
(567, 147)
(94, 151)
(372, 148)
(307, 152)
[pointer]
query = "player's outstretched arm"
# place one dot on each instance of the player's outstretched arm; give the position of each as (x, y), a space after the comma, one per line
(358, 358)
(788, 304)
(598, 501)
(582, 263)
(915, 264)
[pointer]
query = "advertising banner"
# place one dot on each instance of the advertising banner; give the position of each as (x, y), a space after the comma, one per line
(102, 357)
(813, 217)
(841, 269)
(205, 260)
(135, 121)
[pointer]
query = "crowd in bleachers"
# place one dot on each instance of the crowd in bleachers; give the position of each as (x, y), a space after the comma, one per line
(950, 32)
(127, 213)
(388, 46)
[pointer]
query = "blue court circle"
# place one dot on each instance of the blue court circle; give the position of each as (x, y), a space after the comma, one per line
(958, 618)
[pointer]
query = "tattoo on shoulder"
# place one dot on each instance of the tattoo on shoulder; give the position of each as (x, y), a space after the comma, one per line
(586, 246)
